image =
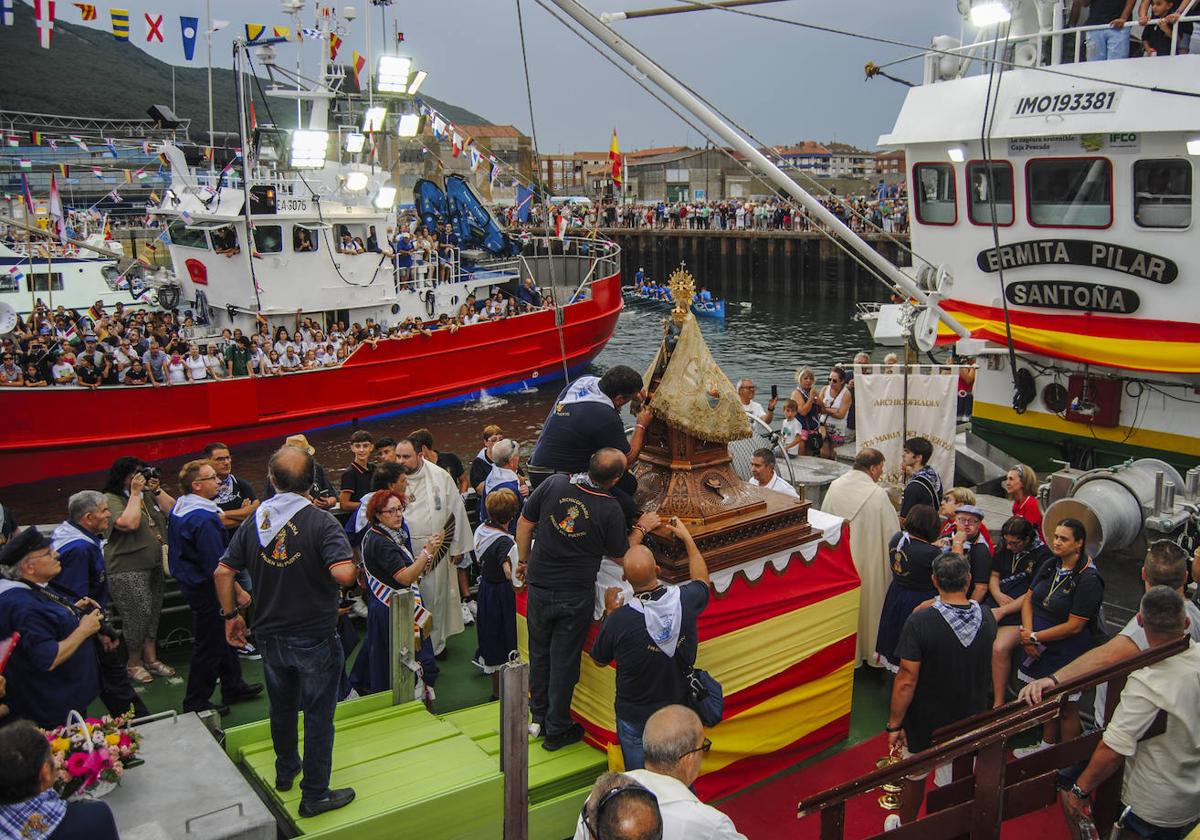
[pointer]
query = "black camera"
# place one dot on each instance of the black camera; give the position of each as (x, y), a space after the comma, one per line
(108, 631)
(150, 472)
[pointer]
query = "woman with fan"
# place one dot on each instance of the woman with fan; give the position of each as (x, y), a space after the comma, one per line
(388, 566)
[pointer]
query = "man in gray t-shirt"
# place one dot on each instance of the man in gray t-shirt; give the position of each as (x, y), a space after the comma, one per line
(156, 362)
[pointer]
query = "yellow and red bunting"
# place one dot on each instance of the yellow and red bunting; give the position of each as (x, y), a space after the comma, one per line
(782, 649)
(87, 11)
(335, 44)
(1110, 340)
(357, 63)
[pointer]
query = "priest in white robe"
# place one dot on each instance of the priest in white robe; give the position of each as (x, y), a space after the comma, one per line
(433, 498)
(858, 498)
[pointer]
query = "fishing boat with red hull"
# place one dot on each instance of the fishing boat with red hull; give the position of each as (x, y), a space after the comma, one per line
(52, 432)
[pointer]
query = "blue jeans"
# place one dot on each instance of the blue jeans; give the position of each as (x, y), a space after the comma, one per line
(1107, 44)
(629, 735)
(558, 623)
(302, 674)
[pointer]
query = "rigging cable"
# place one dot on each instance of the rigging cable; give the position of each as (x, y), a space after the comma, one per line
(559, 314)
(995, 72)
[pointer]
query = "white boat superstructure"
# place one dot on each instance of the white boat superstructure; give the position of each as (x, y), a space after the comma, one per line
(1054, 210)
(71, 277)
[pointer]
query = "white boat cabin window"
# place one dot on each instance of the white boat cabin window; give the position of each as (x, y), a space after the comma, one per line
(52, 282)
(1069, 192)
(990, 185)
(9, 282)
(185, 238)
(351, 239)
(304, 241)
(1162, 193)
(933, 186)
(268, 239)
(225, 241)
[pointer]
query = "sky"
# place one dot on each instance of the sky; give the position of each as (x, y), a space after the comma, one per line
(783, 83)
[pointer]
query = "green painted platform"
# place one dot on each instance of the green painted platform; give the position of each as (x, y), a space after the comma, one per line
(419, 774)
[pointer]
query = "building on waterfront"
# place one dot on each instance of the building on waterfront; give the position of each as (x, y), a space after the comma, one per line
(808, 157)
(890, 165)
(846, 161)
(434, 158)
(570, 174)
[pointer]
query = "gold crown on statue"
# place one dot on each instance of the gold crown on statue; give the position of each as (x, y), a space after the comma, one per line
(683, 289)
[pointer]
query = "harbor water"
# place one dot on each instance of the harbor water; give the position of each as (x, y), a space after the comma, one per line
(767, 338)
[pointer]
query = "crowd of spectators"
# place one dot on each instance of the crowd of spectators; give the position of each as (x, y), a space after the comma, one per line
(138, 346)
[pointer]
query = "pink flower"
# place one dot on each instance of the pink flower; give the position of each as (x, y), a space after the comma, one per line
(125, 740)
(94, 721)
(77, 764)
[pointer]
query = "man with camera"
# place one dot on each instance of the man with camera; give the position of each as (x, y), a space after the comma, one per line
(78, 543)
(196, 539)
(53, 669)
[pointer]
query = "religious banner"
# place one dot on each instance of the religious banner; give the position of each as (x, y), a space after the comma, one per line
(932, 412)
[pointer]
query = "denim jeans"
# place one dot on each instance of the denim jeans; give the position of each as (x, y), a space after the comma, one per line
(558, 623)
(1107, 44)
(629, 735)
(302, 674)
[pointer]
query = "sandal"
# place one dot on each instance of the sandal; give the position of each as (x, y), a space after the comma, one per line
(139, 674)
(160, 669)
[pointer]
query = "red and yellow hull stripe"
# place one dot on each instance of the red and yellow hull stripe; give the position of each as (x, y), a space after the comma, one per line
(782, 649)
(1110, 340)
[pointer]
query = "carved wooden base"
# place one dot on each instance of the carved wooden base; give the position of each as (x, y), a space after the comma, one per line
(732, 521)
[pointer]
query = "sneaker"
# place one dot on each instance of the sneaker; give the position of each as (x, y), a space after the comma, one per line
(891, 822)
(1022, 752)
(331, 801)
(535, 729)
(473, 606)
(573, 735)
(249, 651)
(359, 608)
(468, 616)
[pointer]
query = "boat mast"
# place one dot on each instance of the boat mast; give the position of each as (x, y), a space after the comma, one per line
(208, 40)
(239, 71)
(677, 91)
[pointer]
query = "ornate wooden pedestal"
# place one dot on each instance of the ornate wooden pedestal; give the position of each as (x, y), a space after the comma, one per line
(731, 520)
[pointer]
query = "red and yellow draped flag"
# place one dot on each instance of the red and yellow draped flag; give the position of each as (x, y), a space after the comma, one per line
(357, 63)
(614, 157)
(335, 44)
(87, 11)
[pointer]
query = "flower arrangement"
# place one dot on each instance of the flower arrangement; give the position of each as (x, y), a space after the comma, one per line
(88, 752)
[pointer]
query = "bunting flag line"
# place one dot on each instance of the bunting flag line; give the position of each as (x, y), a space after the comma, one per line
(188, 27)
(120, 23)
(35, 137)
(43, 10)
(87, 11)
(6, 12)
(78, 141)
(56, 211)
(335, 44)
(455, 144)
(306, 32)
(141, 174)
(52, 143)
(282, 32)
(254, 32)
(154, 199)
(13, 141)
(17, 275)
(65, 170)
(128, 175)
(27, 164)
(475, 158)
(218, 25)
(98, 172)
(28, 196)
(399, 37)
(357, 63)
(112, 147)
(153, 28)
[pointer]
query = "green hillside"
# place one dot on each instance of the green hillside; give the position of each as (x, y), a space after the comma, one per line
(89, 73)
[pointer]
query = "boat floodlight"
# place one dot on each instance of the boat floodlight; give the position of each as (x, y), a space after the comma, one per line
(373, 119)
(356, 181)
(956, 153)
(308, 148)
(1193, 146)
(409, 125)
(355, 142)
(393, 74)
(989, 13)
(385, 198)
(418, 79)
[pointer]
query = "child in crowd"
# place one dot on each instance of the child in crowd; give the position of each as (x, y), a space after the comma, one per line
(791, 435)
(496, 620)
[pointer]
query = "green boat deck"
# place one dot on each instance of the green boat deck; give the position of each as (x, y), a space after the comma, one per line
(435, 775)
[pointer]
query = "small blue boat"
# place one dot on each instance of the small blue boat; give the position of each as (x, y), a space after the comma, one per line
(701, 309)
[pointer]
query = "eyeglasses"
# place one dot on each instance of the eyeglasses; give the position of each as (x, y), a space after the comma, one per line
(212, 477)
(607, 797)
(704, 747)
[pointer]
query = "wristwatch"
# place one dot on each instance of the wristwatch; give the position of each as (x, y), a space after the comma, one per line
(1033, 637)
(1080, 793)
(230, 616)
(887, 728)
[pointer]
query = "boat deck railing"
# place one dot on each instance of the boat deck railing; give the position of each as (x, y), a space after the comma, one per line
(1047, 47)
(987, 788)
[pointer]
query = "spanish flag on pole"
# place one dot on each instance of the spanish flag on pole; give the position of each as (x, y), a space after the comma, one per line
(614, 157)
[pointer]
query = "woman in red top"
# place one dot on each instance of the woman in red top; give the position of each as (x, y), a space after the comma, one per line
(1021, 486)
